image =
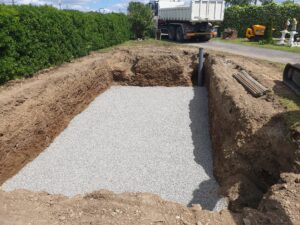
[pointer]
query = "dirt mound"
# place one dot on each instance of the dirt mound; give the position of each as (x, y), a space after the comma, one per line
(154, 68)
(280, 205)
(102, 207)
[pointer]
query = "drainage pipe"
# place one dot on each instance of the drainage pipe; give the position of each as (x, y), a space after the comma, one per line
(200, 67)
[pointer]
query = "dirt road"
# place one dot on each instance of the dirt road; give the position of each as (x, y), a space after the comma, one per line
(249, 51)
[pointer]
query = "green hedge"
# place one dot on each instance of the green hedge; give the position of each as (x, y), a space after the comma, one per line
(242, 17)
(33, 38)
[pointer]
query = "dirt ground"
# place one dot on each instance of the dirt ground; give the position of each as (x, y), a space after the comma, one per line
(255, 149)
(103, 207)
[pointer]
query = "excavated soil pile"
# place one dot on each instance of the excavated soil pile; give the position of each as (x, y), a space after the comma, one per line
(255, 152)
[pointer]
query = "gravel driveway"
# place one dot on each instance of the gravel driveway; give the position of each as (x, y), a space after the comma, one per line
(249, 51)
(137, 139)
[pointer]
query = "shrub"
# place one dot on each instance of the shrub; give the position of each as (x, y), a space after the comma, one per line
(141, 19)
(269, 33)
(33, 38)
(242, 17)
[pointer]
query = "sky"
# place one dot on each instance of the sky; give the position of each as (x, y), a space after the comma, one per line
(87, 5)
(82, 5)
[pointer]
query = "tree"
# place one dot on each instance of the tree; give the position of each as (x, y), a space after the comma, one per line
(270, 8)
(266, 2)
(248, 2)
(287, 2)
(269, 32)
(141, 19)
(239, 2)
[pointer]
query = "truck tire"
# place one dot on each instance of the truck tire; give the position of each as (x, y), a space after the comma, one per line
(205, 38)
(172, 33)
(179, 34)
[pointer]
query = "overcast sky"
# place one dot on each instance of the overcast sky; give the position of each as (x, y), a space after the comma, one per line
(87, 5)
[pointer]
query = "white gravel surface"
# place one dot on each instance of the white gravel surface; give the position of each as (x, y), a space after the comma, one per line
(137, 139)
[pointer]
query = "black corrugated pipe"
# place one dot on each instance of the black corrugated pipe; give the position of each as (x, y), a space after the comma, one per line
(200, 67)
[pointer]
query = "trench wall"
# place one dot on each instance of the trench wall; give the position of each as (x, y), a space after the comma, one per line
(249, 137)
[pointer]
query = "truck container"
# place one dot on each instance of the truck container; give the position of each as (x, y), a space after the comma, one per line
(182, 20)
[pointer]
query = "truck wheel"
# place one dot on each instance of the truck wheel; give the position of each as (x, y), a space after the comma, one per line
(179, 34)
(171, 33)
(205, 38)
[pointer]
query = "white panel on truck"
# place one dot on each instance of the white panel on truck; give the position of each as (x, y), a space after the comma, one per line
(193, 11)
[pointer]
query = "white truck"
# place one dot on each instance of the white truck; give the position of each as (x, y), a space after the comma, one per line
(187, 19)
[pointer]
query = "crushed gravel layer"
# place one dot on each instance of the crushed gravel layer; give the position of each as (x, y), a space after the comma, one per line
(132, 139)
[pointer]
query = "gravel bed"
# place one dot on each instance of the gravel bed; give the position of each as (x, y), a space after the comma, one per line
(132, 139)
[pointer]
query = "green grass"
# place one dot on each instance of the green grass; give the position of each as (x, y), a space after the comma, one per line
(245, 41)
(292, 105)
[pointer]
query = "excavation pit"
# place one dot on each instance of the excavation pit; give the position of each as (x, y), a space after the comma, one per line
(132, 139)
(156, 149)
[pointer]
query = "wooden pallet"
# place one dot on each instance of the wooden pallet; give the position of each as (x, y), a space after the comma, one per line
(250, 84)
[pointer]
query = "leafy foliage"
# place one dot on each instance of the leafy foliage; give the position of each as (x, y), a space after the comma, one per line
(265, 2)
(33, 38)
(140, 17)
(242, 17)
(239, 2)
(269, 32)
(286, 2)
(248, 2)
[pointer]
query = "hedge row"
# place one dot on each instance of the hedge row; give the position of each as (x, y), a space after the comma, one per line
(242, 17)
(33, 38)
